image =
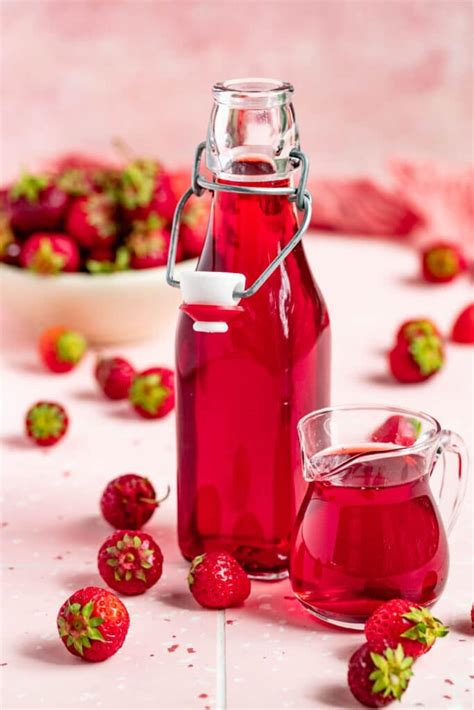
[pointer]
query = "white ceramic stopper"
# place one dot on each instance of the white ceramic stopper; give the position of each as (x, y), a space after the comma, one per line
(211, 288)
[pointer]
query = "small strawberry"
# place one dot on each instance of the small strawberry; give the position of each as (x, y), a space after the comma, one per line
(92, 220)
(398, 430)
(418, 352)
(93, 624)
(146, 188)
(105, 260)
(148, 243)
(36, 204)
(415, 328)
(129, 501)
(46, 423)
(130, 561)
(195, 216)
(463, 328)
(152, 392)
(399, 621)
(9, 247)
(442, 262)
(377, 680)
(47, 253)
(114, 376)
(217, 581)
(61, 349)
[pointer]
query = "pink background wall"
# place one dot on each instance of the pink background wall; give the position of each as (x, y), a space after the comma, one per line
(374, 78)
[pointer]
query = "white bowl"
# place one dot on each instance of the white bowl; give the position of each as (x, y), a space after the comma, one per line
(106, 308)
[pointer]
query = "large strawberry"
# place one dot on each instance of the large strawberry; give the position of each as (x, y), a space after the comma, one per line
(93, 624)
(130, 561)
(145, 188)
(92, 220)
(36, 204)
(399, 621)
(48, 253)
(148, 243)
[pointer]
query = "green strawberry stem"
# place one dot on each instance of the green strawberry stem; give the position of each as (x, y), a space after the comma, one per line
(392, 672)
(427, 352)
(426, 628)
(148, 393)
(80, 628)
(46, 420)
(70, 347)
(29, 186)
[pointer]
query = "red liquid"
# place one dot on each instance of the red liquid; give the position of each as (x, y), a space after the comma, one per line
(369, 535)
(240, 394)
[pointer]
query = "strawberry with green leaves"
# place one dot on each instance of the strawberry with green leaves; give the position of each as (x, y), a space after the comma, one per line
(48, 253)
(148, 243)
(61, 349)
(399, 621)
(46, 423)
(442, 262)
(376, 680)
(418, 353)
(145, 188)
(398, 430)
(36, 204)
(93, 624)
(92, 220)
(130, 561)
(152, 392)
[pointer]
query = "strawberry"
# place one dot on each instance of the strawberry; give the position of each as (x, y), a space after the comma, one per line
(46, 423)
(47, 253)
(217, 581)
(114, 376)
(418, 352)
(398, 430)
(463, 328)
(61, 349)
(414, 328)
(399, 621)
(442, 262)
(91, 220)
(36, 204)
(148, 243)
(152, 392)
(377, 680)
(93, 624)
(145, 188)
(129, 501)
(105, 260)
(130, 561)
(9, 247)
(195, 216)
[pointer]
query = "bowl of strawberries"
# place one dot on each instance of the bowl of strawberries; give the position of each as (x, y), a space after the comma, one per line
(86, 242)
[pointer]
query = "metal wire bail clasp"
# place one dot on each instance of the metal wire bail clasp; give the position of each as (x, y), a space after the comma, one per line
(205, 286)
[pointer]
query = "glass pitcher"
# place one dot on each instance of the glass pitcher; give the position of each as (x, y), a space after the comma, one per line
(369, 528)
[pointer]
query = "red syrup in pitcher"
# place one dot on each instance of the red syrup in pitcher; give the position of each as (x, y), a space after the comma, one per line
(240, 394)
(366, 535)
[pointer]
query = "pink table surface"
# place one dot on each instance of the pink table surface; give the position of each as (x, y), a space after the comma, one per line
(269, 653)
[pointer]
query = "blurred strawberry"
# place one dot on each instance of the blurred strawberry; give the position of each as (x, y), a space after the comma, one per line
(36, 203)
(148, 243)
(92, 220)
(195, 216)
(416, 328)
(48, 253)
(442, 262)
(106, 260)
(463, 328)
(145, 188)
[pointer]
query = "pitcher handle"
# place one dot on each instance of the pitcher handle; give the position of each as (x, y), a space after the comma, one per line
(454, 444)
